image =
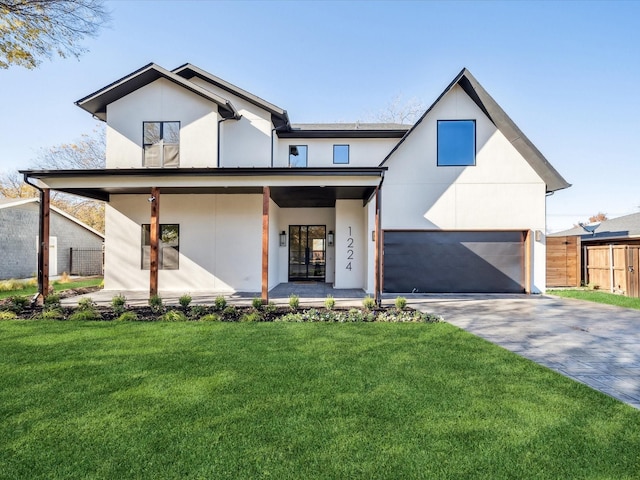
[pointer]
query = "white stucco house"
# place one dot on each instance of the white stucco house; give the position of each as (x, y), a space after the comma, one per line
(211, 188)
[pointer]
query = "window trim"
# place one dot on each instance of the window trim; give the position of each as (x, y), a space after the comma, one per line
(146, 227)
(348, 154)
(473, 122)
(307, 156)
(162, 142)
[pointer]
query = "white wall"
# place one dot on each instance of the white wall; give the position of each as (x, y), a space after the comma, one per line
(220, 242)
(501, 192)
(363, 152)
(162, 100)
(350, 244)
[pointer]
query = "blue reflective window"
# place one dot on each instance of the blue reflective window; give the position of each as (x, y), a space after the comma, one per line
(297, 155)
(456, 142)
(341, 154)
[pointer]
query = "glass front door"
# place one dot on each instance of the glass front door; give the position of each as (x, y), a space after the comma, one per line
(307, 248)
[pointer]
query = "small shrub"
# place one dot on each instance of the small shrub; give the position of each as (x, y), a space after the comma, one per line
(156, 304)
(6, 315)
(401, 303)
(52, 314)
(17, 303)
(197, 311)
(52, 302)
(294, 302)
(185, 300)
(128, 317)
(174, 316)
(211, 317)
(251, 317)
(220, 303)
(256, 303)
(11, 284)
(64, 278)
(85, 315)
(329, 302)
(369, 303)
(119, 304)
(270, 307)
(230, 313)
(86, 303)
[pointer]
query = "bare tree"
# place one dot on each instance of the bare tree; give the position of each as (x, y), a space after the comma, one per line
(402, 111)
(88, 152)
(34, 29)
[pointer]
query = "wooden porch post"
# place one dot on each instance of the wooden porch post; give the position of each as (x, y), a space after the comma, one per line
(43, 244)
(377, 270)
(266, 195)
(528, 252)
(154, 236)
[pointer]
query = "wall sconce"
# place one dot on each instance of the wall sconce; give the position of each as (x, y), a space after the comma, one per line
(283, 239)
(538, 235)
(151, 199)
(330, 238)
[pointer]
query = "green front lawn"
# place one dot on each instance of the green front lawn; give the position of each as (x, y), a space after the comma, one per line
(57, 286)
(599, 297)
(106, 400)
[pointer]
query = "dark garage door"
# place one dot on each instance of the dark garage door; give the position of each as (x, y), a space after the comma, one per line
(453, 262)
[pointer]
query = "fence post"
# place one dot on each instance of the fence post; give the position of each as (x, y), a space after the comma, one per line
(70, 260)
(611, 268)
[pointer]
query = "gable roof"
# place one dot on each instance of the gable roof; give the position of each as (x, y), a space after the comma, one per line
(501, 120)
(96, 103)
(6, 203)
(279, 117)
(627, 226)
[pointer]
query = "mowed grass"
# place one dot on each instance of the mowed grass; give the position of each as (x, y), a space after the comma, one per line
(106, 400)
(57, 286)
(599, 297)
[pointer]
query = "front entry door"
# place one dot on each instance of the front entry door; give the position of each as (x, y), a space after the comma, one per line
(307, 248)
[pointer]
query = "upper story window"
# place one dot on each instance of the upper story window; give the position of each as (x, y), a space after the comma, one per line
(456, 143)
(297, 155)
(341, 154)
(161, 144)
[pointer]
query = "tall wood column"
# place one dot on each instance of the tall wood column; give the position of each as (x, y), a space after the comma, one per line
(154, 239)
(43, 244)
(266, 195)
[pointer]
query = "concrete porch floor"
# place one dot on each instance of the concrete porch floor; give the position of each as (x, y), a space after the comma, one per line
(311, 294)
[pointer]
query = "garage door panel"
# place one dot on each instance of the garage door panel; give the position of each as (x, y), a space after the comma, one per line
(453, 262)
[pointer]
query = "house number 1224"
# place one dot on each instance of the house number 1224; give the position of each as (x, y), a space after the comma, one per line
(349, 250)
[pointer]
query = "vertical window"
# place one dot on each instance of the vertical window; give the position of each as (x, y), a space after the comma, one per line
(161, 143)
(456, 143)
(168, 247)
(297, 155)
(341, 154)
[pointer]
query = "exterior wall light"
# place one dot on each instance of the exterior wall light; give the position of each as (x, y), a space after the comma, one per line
(330, 238)
(283, 239)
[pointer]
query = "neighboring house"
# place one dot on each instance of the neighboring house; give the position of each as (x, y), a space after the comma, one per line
(606, 255)
(19, 239)
(245, 200)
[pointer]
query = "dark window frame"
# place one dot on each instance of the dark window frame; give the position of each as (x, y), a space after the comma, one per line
(348, 154)
(146, 236)
(306, 147)
(461, 164)
(162, 143)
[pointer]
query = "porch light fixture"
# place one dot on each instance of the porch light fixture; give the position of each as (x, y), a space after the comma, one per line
(151, 199)
(283, 239)
(330, 238)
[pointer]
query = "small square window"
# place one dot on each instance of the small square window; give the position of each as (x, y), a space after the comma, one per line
(456, 143)
(341, 154)
(161, 144)
(297, 155)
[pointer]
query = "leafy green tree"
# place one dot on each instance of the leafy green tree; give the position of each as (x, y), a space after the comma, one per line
(34, 29)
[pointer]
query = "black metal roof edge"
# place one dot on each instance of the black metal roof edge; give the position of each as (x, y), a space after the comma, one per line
(342, 133)
(553, 180)
(276, 111)
(214, 172)
(225, 107)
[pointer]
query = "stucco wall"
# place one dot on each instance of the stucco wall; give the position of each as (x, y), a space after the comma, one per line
(18, 233)
(162, 100)
(501, 192)
(220, 242)
(351, 247)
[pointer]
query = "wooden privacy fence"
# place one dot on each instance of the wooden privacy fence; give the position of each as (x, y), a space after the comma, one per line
(613, 268)
(563, 262)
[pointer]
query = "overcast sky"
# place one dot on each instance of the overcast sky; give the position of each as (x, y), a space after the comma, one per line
(566, 73)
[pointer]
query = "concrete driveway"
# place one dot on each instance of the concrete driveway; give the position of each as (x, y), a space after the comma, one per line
(598, 345)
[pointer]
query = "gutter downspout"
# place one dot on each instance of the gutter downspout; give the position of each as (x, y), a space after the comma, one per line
(272, 130)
